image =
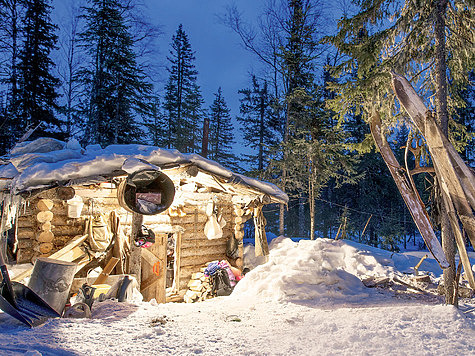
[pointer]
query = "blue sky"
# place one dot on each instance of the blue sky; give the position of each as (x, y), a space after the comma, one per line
(221, 60)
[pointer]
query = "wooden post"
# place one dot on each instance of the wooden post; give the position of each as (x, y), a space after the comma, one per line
(160, 288)
(367, 222)
(456, 287)
(416, 267)
(177, 269)
(135, 263)
(338, 232)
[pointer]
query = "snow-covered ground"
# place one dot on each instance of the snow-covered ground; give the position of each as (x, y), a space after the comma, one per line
(308, 299)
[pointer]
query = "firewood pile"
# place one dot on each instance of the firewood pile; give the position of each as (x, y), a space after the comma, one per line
(199, 288)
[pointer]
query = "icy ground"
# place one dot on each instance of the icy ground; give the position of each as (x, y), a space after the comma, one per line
(308, 299)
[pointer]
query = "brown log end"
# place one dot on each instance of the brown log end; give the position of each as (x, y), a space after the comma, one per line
(45, 204)
(45, 236)
(44, 216)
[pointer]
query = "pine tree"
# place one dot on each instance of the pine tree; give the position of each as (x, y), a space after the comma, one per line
(221, 136)
(182, 100)
(258, 124)
(117, 91)
(37, 96)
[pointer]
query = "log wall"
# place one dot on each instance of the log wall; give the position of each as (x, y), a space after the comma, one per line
(194, 248)
(34, 239)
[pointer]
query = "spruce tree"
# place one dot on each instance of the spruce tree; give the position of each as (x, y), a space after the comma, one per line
(37, 95)
(182, 100)
(155, 124)
(11, 13)
(258, 123)
(221, 138)
(117, 91)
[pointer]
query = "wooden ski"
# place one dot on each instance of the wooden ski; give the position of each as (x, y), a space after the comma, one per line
(415, 206)
(458, 181)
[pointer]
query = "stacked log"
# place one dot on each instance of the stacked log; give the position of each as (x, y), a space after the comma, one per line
(241, 216)
(199, 288)
(44, 226)
(44, 235)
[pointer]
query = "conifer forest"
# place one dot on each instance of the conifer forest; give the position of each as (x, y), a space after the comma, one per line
(321, 69)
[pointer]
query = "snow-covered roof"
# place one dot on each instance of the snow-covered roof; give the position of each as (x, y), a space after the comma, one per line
(47, 162)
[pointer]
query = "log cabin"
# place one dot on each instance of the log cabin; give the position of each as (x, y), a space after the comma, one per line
(56, 194)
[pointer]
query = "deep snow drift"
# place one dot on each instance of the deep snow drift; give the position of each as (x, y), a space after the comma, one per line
(308, 299)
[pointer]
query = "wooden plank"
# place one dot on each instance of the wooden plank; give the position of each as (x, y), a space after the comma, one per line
(147, 283)
(149, 257)
(106, 271)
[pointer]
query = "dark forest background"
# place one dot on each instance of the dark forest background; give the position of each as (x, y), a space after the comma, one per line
(303, 115)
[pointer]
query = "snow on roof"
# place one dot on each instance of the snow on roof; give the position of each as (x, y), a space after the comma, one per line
(47, 161)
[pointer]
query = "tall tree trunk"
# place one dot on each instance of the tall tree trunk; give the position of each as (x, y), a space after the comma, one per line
(284, 169)
(301, 229)
(205, 139)
(311, 199)
(448, 240)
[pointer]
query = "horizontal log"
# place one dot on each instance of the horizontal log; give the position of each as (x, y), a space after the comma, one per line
(208, 250)
(24, 255)
(198, 243)
(68, 229)
(25, 243)
(26, 221)
(65, 220)
(26, 233)
(62, 240)
(201, 259)
(190, 235)
(95, 192)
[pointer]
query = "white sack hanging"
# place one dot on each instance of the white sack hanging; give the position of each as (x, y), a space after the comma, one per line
(212, 228)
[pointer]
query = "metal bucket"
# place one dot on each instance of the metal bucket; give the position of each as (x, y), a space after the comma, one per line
(51, 279)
